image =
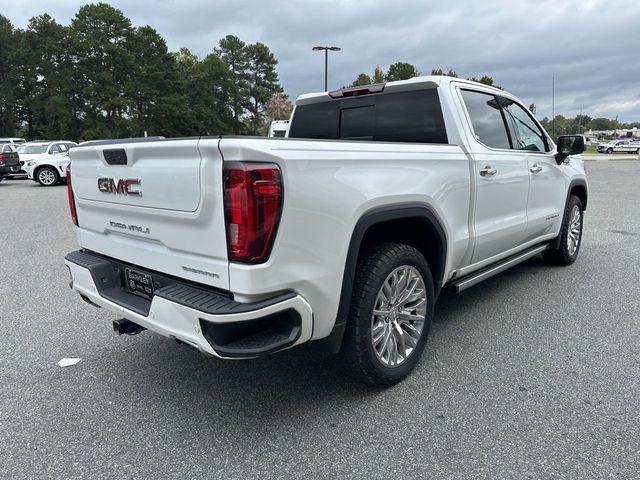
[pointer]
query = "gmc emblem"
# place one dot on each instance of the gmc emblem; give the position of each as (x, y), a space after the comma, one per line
(123, 186)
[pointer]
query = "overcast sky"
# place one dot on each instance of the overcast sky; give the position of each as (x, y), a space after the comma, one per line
(591, 47)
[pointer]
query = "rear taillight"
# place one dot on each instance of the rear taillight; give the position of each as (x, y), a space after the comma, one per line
(253, 202)
(72, 202)
(1, 160)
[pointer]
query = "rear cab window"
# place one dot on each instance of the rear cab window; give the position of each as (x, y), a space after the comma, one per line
(411, 116)
(486, 119)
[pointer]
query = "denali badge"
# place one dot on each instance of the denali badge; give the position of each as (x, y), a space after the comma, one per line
(131, 228)
(123, 186)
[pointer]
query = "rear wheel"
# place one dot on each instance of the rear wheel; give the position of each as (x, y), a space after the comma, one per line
(47, 177)
(391, 314)
(570, 235)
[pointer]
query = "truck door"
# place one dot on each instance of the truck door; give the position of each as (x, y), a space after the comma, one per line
(620, 146)
(547, 184)
(501, 178)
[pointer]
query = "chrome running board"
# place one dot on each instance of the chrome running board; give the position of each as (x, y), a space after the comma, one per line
(472, 279)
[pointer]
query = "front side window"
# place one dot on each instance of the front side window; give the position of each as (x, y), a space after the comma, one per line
(486, 119)
(525, 133)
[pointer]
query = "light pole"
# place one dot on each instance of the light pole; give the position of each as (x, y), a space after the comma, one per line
(326, 60)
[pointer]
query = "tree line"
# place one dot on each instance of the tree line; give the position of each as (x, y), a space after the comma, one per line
(405, 71)
(101, 77)
(582, 124)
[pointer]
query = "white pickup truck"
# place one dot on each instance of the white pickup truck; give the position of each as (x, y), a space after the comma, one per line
(617, 146)
(346, 231)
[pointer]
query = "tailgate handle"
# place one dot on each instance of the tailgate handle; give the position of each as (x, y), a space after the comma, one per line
(115, 156)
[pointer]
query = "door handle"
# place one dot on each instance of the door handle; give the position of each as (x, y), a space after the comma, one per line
(488, 171)
(536, 168)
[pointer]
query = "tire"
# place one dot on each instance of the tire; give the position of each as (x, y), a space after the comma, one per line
(570, 235)
(638, 151)
(47, 177)
(609, 150)
(1, 177)
(407, 328)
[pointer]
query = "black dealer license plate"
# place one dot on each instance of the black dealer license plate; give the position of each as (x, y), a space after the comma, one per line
(139, 283)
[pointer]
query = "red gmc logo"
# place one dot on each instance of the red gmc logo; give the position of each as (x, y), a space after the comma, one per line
(123, 186)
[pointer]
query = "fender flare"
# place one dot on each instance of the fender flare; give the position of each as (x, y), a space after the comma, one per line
(576, 182)
(366, 221)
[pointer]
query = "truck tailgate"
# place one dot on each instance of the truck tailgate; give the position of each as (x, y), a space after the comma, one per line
(157, 204)
(9, 159)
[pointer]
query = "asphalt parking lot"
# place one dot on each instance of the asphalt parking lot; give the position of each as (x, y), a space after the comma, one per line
(532, 374)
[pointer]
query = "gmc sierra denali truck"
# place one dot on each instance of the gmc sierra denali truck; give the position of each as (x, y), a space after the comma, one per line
(346, 231)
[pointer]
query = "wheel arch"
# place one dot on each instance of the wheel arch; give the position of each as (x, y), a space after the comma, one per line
(578, 187)
(414, 224)
(40, 167)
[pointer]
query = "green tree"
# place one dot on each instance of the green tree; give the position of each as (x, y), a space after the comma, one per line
(362, 79)
(8, 49)
(439, 71)
(207, 85)
(602, 124)
(401, 71)
(43, 77)
(486, 80)
(233, 51)
(378, 75)
(262, 83)
(100, 39)
(156, 87)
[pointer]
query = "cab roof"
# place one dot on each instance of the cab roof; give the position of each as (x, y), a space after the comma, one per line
(415, 83)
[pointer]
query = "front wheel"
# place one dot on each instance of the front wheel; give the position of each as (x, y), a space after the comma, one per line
(391, 314)
(47, 177)
(609, 150)
(570, 235)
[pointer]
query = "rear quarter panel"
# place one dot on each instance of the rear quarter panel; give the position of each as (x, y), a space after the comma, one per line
(328, 186)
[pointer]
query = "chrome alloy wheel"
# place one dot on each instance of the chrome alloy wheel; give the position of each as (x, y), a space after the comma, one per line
(399, 315)
(46, 177)
(574, 231)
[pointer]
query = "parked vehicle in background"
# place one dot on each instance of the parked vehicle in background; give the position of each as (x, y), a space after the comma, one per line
(345, 231)
(34, 150)
(620, 146)
(278, 128)
(591, 141)
(48, 170)
(8, 147)
(12, 140)
(9, 162)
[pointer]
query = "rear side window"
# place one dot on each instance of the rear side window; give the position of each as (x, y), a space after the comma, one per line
(414, 116)
(486, 119)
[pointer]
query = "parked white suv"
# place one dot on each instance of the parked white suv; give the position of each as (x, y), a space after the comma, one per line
(347, 231)
(32, 151)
